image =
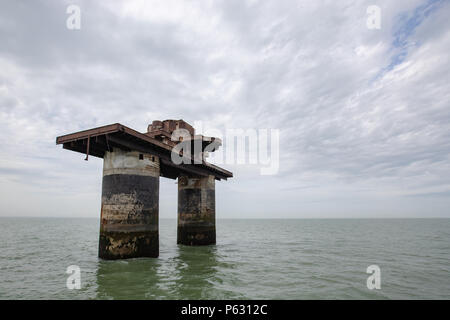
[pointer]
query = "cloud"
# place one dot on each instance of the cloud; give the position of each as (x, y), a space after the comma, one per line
(364, 114)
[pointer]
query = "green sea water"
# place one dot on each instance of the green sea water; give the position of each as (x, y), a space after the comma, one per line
(253, 259)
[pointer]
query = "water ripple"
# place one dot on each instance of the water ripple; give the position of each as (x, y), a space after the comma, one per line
(254, 259)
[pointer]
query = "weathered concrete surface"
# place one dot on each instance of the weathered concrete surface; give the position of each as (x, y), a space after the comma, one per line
(196, 211)
(130, 206)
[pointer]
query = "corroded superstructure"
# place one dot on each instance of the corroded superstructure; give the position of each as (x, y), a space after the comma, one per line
(132, 165)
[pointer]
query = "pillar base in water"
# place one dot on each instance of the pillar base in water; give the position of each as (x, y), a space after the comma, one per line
(196, 211)
(196, 236)
(129, 216)
(121, 245)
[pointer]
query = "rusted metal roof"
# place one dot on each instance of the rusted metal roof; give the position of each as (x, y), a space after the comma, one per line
(95, 142)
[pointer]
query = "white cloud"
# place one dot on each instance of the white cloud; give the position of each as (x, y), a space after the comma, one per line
(361, 135)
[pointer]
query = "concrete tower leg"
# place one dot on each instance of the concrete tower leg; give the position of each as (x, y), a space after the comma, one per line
(196, 211)
(130, 206)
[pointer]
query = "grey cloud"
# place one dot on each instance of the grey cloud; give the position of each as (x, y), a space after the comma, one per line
(307, 68)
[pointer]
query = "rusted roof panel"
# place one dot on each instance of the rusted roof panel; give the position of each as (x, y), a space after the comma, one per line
(97, 141)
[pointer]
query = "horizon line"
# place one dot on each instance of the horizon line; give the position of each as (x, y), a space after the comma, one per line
(281, 218)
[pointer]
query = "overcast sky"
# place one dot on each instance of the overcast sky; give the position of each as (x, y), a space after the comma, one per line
(363, 114)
